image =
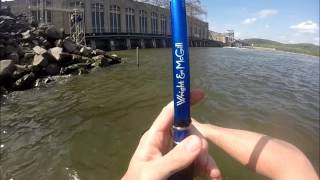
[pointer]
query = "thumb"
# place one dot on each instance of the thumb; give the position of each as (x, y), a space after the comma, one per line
(180, 157)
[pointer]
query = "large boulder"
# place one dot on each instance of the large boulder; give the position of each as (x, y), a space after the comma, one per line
(52, 69)
(74, 68)
(70, 46)
(14, 56)
(39, 60)
(56, 53)
(20, 72)
(26, 35)
(97, 52)
(26, 82)
(86, 51)
(100, 61)
(58, 43)
(53, 33)
(7, 67)
(42, 57)
(39, 50)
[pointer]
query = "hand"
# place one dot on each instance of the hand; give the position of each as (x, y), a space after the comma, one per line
(153, 160)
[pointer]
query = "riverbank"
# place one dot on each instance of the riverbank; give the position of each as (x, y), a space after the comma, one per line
(32, 54)
(302, 48)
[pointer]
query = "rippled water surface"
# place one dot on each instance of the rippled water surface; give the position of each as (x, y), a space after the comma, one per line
(87, 127)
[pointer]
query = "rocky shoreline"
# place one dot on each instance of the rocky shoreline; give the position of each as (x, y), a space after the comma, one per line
(32, 55)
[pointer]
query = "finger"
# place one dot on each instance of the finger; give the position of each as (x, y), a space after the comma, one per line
(179, 157)
(196, 96)
(164, 121)
(213, 170)
(206, 167)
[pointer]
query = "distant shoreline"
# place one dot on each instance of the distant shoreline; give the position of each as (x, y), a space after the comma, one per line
(274, 49)
(302, 48)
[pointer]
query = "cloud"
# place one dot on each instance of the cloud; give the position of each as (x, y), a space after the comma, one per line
(266, 26)
(249, 20)
(267, 13)
(306, 27)
(261, 14)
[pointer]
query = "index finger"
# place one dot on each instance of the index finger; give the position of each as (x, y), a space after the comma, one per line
(164, 121)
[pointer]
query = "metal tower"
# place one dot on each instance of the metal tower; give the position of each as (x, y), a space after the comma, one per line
(76, 19)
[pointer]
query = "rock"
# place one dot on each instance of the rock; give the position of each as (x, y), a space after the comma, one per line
(43, 81)
(20, 72)
(98, 52)
(86, 51)
(29, 55)
(26, 35)
(82, 71)
(14, 56)
(53, 33)
(3, 91)
(52, 69)
(46, 44)
(58, 43)
(100, 61)
(7, 67)
(56, 53)
(72, 69)
(70, 46)
(114, 59)
(39, 50)
(26, 82)
(40, 60)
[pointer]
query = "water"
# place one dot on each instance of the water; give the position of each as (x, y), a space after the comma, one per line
(87, 127)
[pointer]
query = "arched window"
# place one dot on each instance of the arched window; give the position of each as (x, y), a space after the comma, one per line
(143, 25)
(115, 23)
(163, 24)
(97, 18)
(130, 23)
(154, 23)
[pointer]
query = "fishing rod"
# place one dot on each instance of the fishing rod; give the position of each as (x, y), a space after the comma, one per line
(181, 79)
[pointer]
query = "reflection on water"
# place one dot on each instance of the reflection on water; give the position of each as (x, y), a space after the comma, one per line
(87, 127)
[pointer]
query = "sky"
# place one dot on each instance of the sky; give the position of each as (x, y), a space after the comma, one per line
(286, 21)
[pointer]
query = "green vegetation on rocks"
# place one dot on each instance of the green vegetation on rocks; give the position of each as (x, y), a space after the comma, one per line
(302, 48)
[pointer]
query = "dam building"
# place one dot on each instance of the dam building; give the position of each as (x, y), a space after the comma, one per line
(113, 24)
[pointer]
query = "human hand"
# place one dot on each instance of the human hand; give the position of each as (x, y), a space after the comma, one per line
(153, 158)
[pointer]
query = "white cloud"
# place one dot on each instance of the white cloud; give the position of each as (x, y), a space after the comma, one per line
(261, 14)
(249, 20)
(266, 26)
(306, 27)
(267, 13)
(316, 40)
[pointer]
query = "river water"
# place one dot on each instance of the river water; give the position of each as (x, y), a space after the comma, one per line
(87, 127)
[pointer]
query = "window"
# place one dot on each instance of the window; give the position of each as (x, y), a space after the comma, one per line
(98, 18)
(163, 24)
(130, 23)
(154, 23)
(46, 17)
(76, 4)
(143, 21)
(115, 22)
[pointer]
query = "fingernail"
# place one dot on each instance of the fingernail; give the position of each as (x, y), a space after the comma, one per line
(192, 144)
